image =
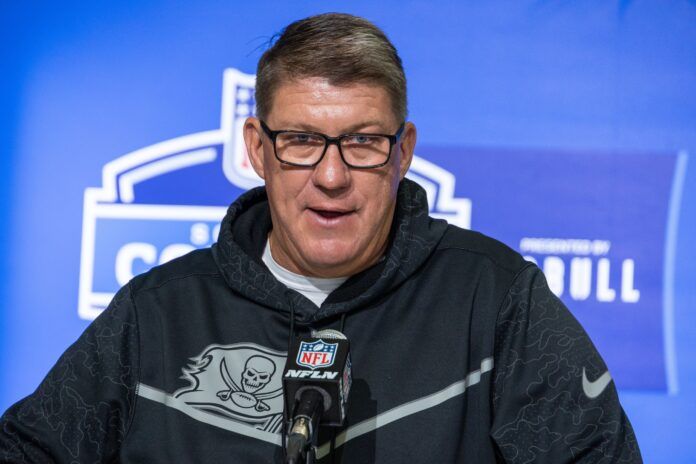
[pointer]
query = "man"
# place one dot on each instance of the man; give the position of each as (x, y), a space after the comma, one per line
(460, 351)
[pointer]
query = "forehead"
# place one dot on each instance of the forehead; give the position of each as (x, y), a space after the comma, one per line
(316, 102)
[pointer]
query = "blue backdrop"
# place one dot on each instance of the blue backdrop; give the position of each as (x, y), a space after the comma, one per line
(562, 128)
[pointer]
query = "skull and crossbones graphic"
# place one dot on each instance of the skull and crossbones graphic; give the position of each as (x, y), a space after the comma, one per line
(257, 373)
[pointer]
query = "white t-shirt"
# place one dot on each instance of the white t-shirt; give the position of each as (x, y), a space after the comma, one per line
(316, 289)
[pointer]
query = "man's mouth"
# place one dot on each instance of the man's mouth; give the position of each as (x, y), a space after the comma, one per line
(329, 214)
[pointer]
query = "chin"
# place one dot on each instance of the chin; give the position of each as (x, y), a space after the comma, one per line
(333, 259)
(330, 261)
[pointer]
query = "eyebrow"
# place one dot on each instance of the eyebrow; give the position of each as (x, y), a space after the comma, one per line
(348, 130)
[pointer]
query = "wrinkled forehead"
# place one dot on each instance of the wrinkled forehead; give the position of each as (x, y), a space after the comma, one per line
(316, 99)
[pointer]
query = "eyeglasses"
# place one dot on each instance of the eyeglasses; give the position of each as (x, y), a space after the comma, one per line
(307, 149)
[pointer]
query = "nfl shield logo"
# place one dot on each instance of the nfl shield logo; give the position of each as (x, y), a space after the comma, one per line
(316, 354)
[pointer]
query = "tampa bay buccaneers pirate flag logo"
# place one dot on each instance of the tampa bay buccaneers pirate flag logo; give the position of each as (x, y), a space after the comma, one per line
(241, 382)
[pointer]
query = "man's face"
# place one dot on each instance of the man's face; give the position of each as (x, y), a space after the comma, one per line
(329, 220)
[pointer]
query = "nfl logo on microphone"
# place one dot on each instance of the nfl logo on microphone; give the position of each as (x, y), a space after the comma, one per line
(316, 354)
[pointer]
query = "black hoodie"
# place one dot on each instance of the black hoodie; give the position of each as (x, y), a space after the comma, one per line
(460, 354)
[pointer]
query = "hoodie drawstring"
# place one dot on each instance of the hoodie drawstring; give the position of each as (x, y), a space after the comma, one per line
(286, 413)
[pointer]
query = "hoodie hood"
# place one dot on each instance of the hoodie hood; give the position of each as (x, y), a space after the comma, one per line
(244, 231)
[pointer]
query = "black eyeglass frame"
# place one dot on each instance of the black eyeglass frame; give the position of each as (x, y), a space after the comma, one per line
(332, 141)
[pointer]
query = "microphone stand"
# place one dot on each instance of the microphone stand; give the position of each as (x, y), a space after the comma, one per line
(303, 435)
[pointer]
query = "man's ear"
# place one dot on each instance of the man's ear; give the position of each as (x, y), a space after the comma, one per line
(254, 145)
(407, 144)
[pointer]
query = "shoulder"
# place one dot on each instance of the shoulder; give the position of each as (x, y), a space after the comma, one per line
(483, 250)
(196, 265)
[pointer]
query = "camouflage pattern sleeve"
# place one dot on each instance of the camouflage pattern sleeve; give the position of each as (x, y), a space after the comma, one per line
(80, 412)
(553, 399)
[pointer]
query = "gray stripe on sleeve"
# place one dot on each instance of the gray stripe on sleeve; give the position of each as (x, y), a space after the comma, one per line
(407, 409)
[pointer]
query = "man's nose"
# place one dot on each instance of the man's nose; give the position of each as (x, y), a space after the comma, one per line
(331, 172)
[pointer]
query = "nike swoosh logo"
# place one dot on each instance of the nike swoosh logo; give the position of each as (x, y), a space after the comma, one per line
(594, 389)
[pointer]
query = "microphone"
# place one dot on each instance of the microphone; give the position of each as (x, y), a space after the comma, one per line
(316, 385)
